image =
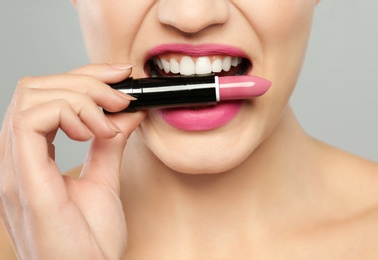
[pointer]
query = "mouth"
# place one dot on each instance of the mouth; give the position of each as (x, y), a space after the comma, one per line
(176, 64)
(201, 60)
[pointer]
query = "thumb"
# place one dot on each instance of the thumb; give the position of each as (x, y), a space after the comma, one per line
(103, 163)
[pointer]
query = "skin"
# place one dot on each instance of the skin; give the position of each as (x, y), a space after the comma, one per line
(267, 191)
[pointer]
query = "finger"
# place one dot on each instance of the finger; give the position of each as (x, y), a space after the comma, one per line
(107, 73)
(37, 175)
(11, 208)
(12, 219)
(81, 104)
(100, 92)
(127, 122)
(105, 155)
(89, 79)
(8, 189)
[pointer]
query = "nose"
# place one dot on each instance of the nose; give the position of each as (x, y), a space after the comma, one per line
(191, 16)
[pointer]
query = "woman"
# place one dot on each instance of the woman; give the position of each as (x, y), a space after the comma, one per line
(253, 185)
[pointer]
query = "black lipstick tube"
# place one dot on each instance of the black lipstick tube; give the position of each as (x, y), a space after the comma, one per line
(169, 92)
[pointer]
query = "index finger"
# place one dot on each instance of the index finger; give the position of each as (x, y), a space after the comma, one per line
(107, 73)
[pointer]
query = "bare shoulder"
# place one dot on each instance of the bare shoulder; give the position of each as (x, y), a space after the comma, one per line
(346, 213)
(353, 180)
(352, 171)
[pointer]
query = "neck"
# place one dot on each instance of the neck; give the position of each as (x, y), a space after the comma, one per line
(271, 176)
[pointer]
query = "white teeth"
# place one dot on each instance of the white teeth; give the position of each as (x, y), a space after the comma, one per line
(203, 65)
(187, 66)
(217, 66)
(234, 61)
(175, 66)
(227, 64)
(160, 65)
(166, 65)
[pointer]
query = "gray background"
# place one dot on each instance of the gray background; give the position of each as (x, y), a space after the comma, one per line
(336, 97)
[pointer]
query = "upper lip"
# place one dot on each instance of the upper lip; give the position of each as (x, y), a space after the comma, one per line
(196, 51)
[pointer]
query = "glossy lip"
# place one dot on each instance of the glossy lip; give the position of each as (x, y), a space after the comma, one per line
(203, 119)
(196, 50)
(206, 118)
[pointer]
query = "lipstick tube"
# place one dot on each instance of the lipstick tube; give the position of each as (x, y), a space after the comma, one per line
(159, 92)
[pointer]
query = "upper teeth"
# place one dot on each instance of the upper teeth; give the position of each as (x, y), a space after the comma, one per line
(201, 65)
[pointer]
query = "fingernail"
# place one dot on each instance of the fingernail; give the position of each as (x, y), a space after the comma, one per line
(122, 66)
(90, 134)
(113, 126)
(124, 95)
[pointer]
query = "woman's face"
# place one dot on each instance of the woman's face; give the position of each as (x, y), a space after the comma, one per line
(269, 37)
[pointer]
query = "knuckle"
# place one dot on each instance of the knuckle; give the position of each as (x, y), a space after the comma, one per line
(81, 102)
(25, 82)
(90, 84)
(60, 103)
(22, 91)
(85, 83)
(87, 100)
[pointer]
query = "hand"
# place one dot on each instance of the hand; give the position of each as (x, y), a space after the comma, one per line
(50, 216)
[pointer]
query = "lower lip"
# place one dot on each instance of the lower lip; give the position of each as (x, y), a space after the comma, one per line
(201, 119)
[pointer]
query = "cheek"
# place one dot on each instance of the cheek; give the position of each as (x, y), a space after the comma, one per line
(278, 17)
(283, 28)
(109, 27)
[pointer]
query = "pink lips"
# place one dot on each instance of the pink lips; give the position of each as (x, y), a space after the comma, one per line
(196, 50)
(202, 119)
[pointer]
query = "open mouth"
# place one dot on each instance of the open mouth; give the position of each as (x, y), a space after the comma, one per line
(204, 116)
(168, 64)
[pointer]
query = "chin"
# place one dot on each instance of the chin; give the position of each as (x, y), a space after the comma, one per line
(199, 153)
(203, 152)
(201, 165)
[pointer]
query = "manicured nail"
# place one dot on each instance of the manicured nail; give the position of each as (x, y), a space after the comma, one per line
(122, 66)
(113, 126)
(90, 133)
(124, 95)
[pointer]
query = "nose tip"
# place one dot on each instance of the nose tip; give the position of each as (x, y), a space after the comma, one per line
(191, 16)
